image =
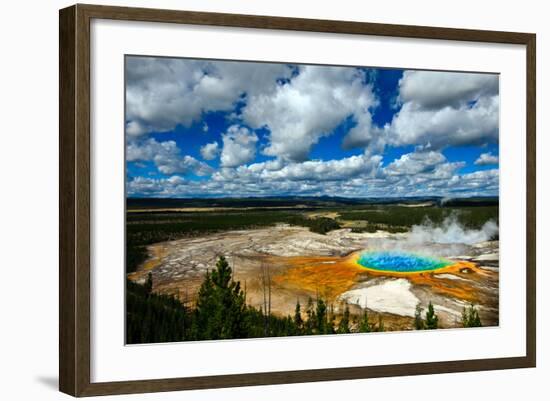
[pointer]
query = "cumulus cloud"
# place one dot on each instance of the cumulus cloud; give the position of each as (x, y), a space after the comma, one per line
(315, 171)
(166, 156)
(172, 165)
(364, 134)
(210, 151)
(134, 129)
(239, 146)
(467, 125)
(294, 107)
(145, 186)
(309, 107)
(331, 170)
(437, 90)
(478, 182)
(421, 173)
(415, 163)
(445, 109)
(486, 159)
(162, 93)
(355, 176)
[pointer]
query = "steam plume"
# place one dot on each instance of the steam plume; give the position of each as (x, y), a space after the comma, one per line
(451, 232)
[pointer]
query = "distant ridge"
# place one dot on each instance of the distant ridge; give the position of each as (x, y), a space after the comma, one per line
(304, 201)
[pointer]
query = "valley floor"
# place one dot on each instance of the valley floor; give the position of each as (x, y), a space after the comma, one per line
(303, 264)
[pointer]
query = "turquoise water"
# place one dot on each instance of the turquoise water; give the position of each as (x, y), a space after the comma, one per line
(401, 262)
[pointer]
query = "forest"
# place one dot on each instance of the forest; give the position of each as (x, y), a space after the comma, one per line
(221, 312)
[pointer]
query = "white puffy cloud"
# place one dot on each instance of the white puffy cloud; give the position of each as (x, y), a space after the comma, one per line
(438, 109)
(421, 172)
(486, 159)
(297, 106)
(443, 109)
(182, 165)
(145, 186)
(467, 125)
(364, 134)
(134, 129)
(415, 163)
(437, 90)
(356, 176)
(210, 151)
(315, 171)
(162, 93)
(146, 150)
(309, 107)
(167, 157)
(331, 170)
(239, 146)
(476, 183)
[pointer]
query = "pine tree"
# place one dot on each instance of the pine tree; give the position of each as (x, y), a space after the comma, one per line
(431, 318)
(343, 326)
(321, 313)
(220, 305)
(203, 326)
(364, 325)
(310, 323)
(470, 317)
(418, 322)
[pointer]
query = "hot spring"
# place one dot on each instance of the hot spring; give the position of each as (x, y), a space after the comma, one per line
(400, 262)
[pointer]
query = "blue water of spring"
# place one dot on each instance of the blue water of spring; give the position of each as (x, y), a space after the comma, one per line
(400, 262)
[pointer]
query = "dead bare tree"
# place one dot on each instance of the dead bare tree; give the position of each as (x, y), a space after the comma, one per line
(266, 287)
(265, 298)
(269, 289)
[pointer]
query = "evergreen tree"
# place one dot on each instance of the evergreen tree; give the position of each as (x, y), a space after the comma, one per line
(418, 321)
(465, 318)
(321, 314)
(431, 318)
(153, 318)
(364, 325)
(343, 326)
(203, 326)
(331, 325)
(220, 305)
(470, 317)
(310, 323)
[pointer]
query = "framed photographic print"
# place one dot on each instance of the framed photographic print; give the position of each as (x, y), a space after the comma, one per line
(250, 200)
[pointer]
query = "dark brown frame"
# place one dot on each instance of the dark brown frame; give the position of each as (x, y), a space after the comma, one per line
(74, 199)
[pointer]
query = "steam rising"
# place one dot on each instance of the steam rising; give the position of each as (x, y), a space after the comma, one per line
(448, 239)
(451, 232)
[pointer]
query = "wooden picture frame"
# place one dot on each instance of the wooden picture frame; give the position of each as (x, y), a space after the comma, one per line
(74, 203)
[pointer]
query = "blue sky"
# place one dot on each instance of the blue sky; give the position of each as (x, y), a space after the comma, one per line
(200, 128)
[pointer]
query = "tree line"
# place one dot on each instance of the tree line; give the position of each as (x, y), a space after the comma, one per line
(430, 321)
(221, 312)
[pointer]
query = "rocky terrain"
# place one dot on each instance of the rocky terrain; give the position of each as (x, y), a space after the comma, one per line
(304, 264)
